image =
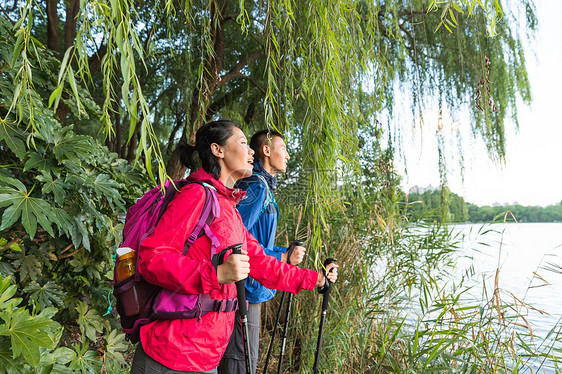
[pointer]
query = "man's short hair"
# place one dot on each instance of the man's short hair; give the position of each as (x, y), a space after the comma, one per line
(260, 138)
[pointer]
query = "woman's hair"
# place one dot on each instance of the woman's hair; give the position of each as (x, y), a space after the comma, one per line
(212, 132)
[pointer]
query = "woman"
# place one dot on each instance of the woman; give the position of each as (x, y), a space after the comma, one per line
(197, 345)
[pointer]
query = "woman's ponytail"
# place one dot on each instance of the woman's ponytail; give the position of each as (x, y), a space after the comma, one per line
(186, 155)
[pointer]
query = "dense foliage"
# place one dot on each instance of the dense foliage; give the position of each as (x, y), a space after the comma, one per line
(60, 193)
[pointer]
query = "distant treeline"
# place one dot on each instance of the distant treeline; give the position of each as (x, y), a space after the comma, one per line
(443, 205)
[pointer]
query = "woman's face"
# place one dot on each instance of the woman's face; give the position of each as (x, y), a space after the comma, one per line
(235, 158)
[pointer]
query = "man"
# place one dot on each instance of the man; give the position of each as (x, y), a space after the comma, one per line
(259, 213)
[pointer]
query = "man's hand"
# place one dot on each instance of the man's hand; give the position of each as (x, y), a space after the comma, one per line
(296, 257)
(234, 268)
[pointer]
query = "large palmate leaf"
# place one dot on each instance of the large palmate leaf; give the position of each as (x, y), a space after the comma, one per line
(13, 137)
(57, 186)
(7, 291)
(38, 162)
(114, 346)
(89, 321)
(32, 210)
(47, 295)
(67, 145)
(86, 361)
(108, 188)
(28, 265)
(54, 362)
(27, 334)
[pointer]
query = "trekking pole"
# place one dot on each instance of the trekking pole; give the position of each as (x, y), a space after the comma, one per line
(241, 290)
(288, 312)
(325, 290)
(269, 349)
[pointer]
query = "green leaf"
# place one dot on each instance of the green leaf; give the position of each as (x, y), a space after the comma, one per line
(30, 209)
(13, 137)
(55, 95)
(452, 14)
(56, 186)
(74, 87)
(38, 162)
(6, 300)
(15, 247)
(7, 362)
(28, 265)
(89, 321)
(79, 233)
(104, 186)
(14, 182)
(86, 361)
(28, 334)
(18, 47)
(63, 221)
(114, 346)
(6, 268)
(47, 295)
(67, 145)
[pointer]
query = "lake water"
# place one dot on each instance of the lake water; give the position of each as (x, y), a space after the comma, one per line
(529, 259)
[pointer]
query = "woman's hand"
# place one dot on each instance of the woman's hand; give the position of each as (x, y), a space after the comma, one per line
(332, 270)
(234, 268)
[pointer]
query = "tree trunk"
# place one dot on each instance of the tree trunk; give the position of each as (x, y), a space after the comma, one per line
(53, 26)
(72, 9)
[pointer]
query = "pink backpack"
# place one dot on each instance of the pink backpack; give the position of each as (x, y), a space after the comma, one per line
(155, 302)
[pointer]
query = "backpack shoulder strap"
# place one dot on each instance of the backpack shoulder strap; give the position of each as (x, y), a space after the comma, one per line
(211, 210)
(269, 195)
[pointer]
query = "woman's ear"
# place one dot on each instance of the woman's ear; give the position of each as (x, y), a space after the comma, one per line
(217, 150)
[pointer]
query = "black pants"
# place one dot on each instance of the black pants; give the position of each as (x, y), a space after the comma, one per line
(144, 364)
(233, 361)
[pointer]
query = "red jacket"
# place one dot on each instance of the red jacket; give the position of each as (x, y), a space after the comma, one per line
(191, 344)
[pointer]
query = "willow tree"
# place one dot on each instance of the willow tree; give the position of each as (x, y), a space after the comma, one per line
(322, 72)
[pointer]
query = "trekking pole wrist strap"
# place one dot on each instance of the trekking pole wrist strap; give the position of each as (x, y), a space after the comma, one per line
(327, 284)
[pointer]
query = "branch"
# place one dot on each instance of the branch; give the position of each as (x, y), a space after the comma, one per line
(235, 71)
(252, 80)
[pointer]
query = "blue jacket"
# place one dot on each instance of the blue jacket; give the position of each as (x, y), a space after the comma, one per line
(259, 214)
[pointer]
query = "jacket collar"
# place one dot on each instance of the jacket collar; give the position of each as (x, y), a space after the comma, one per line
(233, 194)
(259, 169)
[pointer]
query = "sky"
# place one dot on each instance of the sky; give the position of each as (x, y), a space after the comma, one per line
(532, 174)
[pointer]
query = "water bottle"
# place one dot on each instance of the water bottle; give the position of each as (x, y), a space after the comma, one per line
(130, 299)
(127, 263)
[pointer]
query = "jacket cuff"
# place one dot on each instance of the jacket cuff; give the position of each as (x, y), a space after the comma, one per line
(209, 279)
(309, 281)
(279, 249)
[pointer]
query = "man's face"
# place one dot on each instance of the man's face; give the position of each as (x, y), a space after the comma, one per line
(278, 155)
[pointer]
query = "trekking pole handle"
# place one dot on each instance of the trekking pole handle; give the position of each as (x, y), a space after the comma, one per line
(243, 310)
(327, 285)
(295, 243)
(240, 285)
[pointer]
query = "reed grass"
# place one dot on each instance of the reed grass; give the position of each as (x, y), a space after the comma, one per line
(402, 305)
